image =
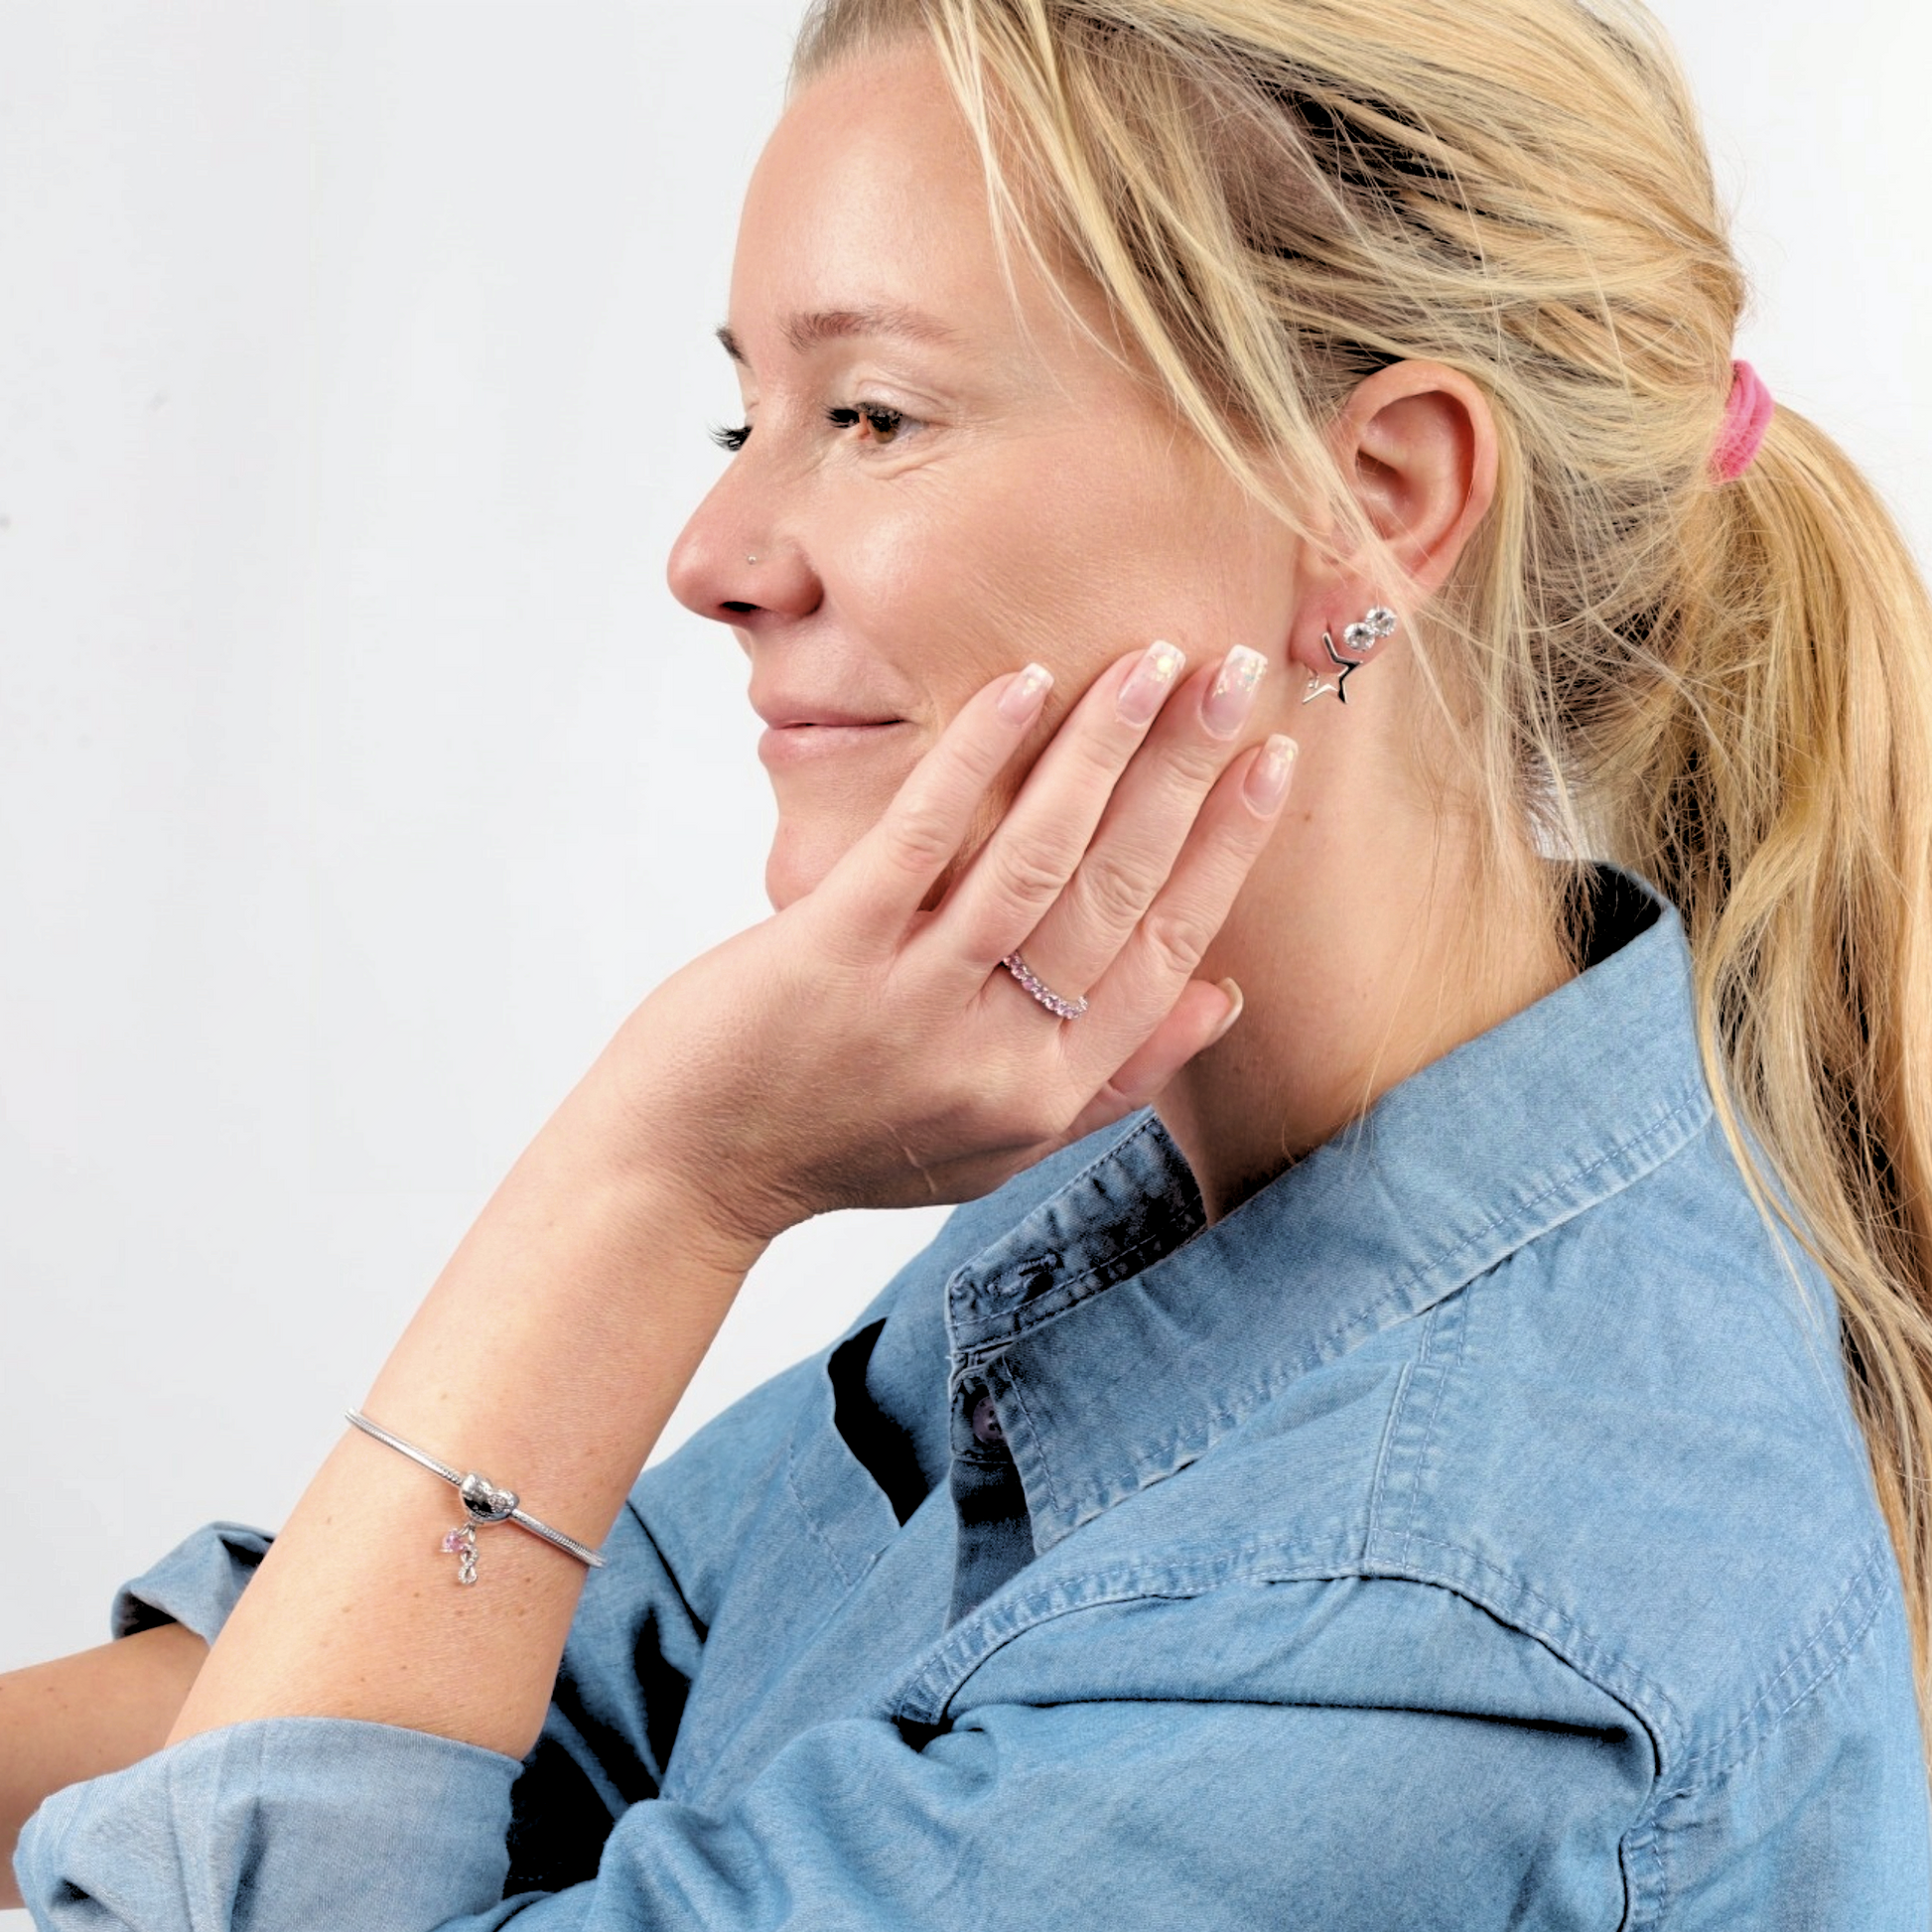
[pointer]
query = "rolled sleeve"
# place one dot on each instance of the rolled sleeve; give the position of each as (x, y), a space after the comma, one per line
(318, 1822)
(305, 1823)
(633, 1646)
(197, 1584)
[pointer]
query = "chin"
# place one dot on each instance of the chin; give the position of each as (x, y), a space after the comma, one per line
(806, 846)
(802, 856)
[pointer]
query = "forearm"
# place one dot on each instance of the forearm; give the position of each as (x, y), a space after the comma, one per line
(85, 1715)
(548, 1355)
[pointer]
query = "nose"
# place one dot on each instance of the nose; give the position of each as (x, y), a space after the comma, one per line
(734, 565)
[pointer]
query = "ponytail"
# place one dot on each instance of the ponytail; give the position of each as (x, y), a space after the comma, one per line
(1779, 792)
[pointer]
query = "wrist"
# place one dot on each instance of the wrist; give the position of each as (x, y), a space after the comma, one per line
(687, 1177)
(597, 1225)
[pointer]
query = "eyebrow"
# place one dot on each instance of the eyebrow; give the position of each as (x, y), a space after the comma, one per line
(807, 332)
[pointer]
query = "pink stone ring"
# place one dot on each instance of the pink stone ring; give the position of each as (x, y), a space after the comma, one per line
(1053, 1003)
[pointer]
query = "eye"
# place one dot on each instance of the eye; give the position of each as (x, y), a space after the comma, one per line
(883, 424)
(732, 438)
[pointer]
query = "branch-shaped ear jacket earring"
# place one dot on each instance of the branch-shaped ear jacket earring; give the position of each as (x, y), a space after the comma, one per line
(1359, 638)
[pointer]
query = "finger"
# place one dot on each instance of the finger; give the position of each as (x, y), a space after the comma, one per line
(1026, 862)
(1146, 824)
(881, 881)
(1145, 983)
(1201, 1016)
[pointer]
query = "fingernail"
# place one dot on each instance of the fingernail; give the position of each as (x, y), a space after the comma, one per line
(1147, 688)
(1022, 698)
(1266, 784)
(1225, 708)
(1232, 988)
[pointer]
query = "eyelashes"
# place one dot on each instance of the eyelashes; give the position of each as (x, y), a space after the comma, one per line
(884, 425)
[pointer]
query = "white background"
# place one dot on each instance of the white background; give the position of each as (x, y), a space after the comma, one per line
(357, 772)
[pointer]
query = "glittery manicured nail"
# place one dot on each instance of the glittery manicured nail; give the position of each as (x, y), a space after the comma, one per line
(1266, 784)
(1225, 708)
(1147, 685)
(1025, 694)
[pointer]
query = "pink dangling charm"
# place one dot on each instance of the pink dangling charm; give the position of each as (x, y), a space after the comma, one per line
(463, 1543)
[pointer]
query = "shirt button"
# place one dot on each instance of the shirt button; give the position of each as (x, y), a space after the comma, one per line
(986, 1422)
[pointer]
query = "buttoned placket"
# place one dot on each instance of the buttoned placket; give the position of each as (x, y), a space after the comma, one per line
(984, 1421)
(994, 1530)
(1073, 1246)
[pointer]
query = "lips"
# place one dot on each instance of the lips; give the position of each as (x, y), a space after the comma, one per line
(783, 715)
(800, 727)
(823, 736)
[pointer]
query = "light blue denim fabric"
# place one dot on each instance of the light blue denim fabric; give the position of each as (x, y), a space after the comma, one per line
(1470, 1531)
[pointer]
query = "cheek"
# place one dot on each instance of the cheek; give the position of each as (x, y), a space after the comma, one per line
(922, 581)
(948, 576)
(959, 573)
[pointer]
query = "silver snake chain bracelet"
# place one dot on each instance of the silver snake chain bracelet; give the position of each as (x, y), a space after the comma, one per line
(483, 1504)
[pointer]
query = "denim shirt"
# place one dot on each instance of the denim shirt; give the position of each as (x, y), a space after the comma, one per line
(1470, 1529)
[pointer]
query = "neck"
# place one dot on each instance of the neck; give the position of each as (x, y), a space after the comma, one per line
(1348, 944)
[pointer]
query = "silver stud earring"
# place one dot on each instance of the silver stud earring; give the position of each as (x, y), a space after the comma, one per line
(1359, 638)
(750, 559)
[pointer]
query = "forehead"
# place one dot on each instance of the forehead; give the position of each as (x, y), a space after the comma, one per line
(869, 200)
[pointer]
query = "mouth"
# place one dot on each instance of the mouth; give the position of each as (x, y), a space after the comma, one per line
(799, 743)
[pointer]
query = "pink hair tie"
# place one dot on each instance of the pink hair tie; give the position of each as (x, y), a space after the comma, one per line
(1748, 415)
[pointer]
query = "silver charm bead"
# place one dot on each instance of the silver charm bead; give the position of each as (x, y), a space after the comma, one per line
(483, 1502)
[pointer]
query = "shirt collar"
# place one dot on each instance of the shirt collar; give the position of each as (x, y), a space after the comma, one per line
(1121, 1337)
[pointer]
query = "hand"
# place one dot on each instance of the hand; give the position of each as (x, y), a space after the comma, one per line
(861, 1049)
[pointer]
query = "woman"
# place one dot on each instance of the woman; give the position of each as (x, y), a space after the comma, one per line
(1420, 1422)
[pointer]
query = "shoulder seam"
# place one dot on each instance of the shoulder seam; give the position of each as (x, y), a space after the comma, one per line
(1453, 1308)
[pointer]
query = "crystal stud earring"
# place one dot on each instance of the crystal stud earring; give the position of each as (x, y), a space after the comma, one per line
(1359, 638)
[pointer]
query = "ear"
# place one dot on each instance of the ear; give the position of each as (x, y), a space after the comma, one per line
(1419, 444)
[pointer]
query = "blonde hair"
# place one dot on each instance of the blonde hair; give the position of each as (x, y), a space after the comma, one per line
(1726, 689)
